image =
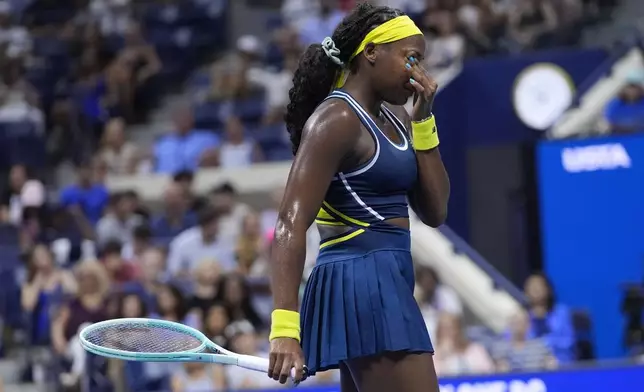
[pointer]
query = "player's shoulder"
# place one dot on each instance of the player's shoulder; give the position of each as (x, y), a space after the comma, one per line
(333, 118)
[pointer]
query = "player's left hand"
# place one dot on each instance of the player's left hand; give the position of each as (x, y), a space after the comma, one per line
(425, 86)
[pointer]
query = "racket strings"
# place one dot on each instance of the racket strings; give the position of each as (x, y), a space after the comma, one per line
(141, 338)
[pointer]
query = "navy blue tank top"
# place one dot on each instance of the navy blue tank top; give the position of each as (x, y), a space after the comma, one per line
(376, 190)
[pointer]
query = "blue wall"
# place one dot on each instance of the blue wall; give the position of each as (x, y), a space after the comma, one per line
(618, 379)
(476, 109)
(592, 222)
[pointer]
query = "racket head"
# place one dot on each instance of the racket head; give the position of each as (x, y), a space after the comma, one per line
(141, 339)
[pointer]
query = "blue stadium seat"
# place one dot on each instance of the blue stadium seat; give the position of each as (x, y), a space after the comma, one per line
(8, 235)
(278, 154)
(250, 109)
(207, 115)
(50, 47)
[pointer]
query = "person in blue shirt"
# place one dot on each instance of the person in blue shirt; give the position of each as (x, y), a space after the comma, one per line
(176, 216)
(549, 319)
(185, 148)
(625, 113)
(87, 195)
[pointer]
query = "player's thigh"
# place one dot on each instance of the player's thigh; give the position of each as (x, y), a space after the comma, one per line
(395, 371)
(346, 379)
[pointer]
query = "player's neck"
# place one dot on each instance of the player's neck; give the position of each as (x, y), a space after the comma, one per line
(364, 94)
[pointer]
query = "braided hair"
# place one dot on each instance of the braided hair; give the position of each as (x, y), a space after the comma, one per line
(316, 71)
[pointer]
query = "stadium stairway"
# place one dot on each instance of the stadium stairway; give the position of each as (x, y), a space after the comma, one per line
(10, 375)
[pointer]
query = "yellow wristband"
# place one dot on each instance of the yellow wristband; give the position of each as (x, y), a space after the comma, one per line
(285, 324)
(424, 134)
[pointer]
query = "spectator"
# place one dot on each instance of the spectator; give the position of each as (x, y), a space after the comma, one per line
(88, 196)
(87, 307)
(11, 210)
(113, 16)
(235, 293)
(45, 287)
(129, 305)
(531, 24)
(435, 298)
(176, 216)
(320, 24)
(269, 215)
(237, 150)
(141, 242)
(93, 95)
(548, 319)
(15, 39)
(119, 223)
(243, 340)
(455, 355)
(625, 113)
(224, 199)
(520, 354)
(215, 321)
(19, 100)
(199, 243)
(205, 287)
(119, 271)
(185, 180)
(447, 48)
(250, 247)
(276, 84)
(196, 377)
(119, 155)
(297, 12)
(66, 139)
(152, 266)
(132, 68)
(172, 306)
(185, 148)
(229, 76)
(70, 238)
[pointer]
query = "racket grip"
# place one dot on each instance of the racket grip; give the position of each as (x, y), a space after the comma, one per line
(261, 365)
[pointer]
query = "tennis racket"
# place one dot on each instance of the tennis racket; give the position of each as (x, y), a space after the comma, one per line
(150, 340)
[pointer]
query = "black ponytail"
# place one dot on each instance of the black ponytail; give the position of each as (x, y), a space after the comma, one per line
(316, 72)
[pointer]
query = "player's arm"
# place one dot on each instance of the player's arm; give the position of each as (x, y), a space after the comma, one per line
(429, 196)
(328, 137)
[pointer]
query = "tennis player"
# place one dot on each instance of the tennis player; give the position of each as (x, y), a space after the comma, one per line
(360, 162)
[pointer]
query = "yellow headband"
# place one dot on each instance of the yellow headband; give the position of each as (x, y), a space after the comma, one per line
(391, 31)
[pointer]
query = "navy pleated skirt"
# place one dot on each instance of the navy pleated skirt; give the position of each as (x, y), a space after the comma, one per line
(359, 301)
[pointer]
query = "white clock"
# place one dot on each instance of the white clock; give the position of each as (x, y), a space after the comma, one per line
(542, 93)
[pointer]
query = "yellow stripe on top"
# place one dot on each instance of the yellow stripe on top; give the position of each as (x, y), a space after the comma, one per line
(341, 215)
(393, 30)
(342, 239)
(329, 223)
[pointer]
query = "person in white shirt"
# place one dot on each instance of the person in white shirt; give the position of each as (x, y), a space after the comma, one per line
(16, 38)
(448, 47)
(435, 298)
(200, 243)
(113, 16)
(237, 150)
(321, 24)
(225, 200)
(244, 340)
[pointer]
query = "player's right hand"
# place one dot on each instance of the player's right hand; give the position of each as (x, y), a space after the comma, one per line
(285, 355)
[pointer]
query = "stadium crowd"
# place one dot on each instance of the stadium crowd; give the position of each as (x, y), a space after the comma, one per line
(76, 74)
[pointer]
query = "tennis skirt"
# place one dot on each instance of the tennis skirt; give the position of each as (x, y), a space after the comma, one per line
(359, 301)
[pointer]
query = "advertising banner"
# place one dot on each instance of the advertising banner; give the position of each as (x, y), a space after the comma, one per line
(621, 379)
(592, 221)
